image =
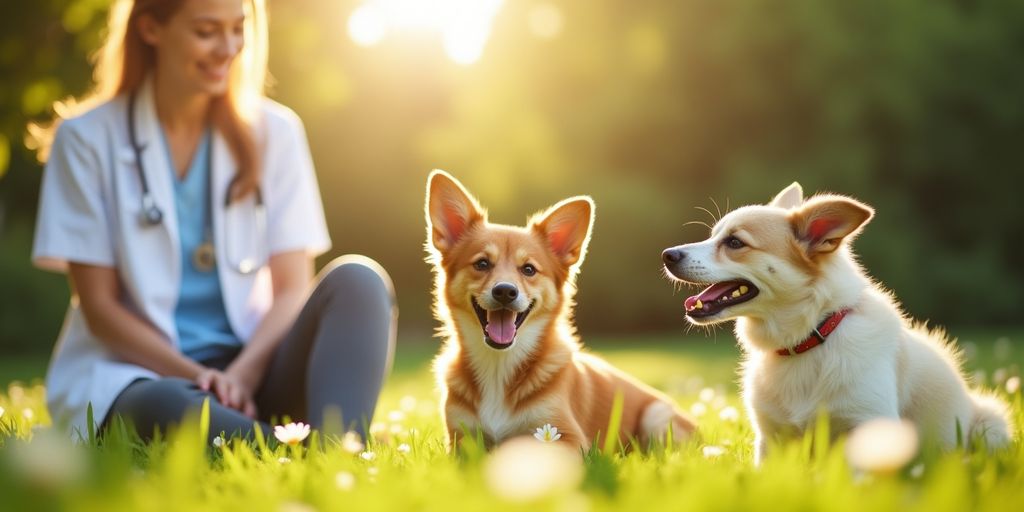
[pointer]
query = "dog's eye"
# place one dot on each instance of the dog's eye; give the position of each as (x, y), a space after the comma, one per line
(528, 270)
(482, 264)
(734, 243)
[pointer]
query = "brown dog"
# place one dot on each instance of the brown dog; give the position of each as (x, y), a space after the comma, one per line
(511, 361)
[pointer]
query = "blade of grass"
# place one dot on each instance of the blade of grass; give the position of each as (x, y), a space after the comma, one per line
(204, 422)
(91, 425)
(822, 437)
(614, 424)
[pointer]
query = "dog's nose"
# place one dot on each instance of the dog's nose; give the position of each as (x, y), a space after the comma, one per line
(504, 293)
(672, 256)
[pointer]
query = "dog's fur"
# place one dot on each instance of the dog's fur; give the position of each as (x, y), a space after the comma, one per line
(510, 386)
(794, 257)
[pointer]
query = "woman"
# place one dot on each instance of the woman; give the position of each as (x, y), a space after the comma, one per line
(184, 208)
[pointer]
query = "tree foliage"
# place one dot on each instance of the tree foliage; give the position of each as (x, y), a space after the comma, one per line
(653, 108)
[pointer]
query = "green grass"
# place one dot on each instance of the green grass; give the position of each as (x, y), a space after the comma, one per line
(21, 368)
(39, 470)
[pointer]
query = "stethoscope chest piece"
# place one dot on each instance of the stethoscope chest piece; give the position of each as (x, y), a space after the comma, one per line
(151, 214)
(204, 258)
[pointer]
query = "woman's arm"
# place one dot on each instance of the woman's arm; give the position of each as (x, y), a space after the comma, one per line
(291, 274)
(134, 340)
(129, 337)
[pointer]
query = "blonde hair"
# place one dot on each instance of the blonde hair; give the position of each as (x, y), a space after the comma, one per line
(123, 61)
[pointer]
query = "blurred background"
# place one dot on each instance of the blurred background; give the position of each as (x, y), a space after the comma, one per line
(652, 107)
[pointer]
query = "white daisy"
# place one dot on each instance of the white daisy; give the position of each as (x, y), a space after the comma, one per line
(547, 434)
(292, 433)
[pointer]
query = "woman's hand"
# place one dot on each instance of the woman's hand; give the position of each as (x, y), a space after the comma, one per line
(236, 387)
(229, 389)
(121, 330)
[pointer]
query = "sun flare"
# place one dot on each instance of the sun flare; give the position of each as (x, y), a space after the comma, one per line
(464, 26)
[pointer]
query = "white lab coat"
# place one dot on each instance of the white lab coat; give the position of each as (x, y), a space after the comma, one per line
(89, 212)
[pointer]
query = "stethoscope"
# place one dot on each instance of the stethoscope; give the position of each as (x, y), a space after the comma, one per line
(203, 257)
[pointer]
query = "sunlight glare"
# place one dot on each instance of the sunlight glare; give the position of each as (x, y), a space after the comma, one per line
(464, 26)
(465, 44)
(545, 21)
(366, 25)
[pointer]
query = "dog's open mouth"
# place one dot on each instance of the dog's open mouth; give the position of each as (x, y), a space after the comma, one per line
(500, 325)
(719, 296)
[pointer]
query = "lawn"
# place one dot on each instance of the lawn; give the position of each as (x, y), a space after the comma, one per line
(405, 466)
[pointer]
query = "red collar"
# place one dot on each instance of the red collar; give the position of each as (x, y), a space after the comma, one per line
(817, 336)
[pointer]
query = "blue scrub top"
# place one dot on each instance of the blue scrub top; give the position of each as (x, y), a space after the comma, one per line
(203, 328)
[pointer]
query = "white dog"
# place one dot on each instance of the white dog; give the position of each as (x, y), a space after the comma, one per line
(819, 334)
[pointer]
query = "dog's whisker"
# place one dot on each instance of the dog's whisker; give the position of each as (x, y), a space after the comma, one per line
(716, 208)
(708, 212)
(699, 223)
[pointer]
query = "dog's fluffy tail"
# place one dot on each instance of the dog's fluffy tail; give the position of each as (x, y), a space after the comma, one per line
(991, 420)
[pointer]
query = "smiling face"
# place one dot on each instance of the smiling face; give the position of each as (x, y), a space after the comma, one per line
(502, 275)
(749, 250)
(196, 46)
(504, 282)
(760, 259)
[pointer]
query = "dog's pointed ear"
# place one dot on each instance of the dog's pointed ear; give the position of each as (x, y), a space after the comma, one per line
(566, 227)
(451, 210)
(790, 197)
(824, 222)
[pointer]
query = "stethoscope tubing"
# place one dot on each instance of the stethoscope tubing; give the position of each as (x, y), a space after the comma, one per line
(152, 214)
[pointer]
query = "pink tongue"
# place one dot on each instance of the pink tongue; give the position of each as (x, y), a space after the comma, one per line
(710, 294)
(501, 326)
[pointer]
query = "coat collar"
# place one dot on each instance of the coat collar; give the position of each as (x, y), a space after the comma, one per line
(159, 175)
(150, 157)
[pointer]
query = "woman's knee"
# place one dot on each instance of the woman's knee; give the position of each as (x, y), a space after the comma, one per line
(150, 403)
(165, 393)
(358, 275)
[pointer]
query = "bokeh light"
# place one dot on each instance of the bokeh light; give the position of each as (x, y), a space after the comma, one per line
(464, 26)
(545, 21)
(523, 469)
(366, 25)
(882, 445)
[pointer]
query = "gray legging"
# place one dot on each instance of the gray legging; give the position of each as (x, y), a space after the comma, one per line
(334, 357)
